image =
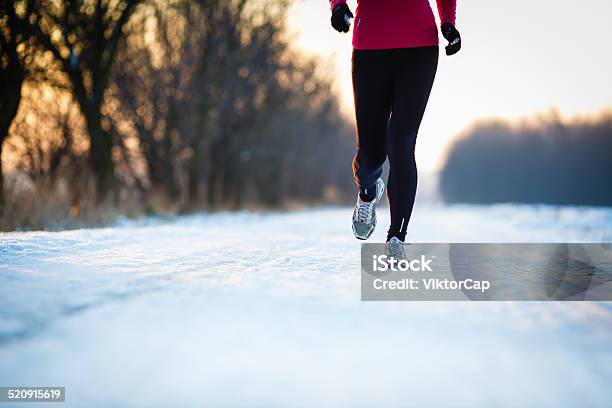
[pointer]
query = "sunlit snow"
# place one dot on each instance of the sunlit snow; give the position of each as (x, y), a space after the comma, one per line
(237, 309)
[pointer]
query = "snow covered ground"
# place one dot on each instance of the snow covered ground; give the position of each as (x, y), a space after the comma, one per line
(242, 309)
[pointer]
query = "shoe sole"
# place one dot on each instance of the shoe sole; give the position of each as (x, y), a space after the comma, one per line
(369, 233)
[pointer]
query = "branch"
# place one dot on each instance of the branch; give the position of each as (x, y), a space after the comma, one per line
(46, 42)
(125, 156)
(111, 46)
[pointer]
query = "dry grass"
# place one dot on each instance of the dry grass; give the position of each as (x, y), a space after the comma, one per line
(48, 205)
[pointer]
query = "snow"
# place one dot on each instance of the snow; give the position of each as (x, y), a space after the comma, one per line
(236, 309)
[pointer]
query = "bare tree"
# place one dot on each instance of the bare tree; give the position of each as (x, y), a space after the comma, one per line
(83, 36)
(548, 160)
(224, 111)
(14, 60)
(53, 154)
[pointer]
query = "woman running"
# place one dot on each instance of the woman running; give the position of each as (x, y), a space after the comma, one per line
(395, 56)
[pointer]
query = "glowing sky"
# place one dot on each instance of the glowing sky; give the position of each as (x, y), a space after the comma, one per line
(518, 58)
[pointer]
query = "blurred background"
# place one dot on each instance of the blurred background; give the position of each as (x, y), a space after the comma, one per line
(130, 107)
(212, 110)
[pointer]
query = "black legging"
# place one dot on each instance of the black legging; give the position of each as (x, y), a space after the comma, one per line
(391, 89)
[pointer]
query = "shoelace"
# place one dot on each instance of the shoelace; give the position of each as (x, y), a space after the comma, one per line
(364, 211)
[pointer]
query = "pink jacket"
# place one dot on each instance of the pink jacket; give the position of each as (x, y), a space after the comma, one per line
(397, 23)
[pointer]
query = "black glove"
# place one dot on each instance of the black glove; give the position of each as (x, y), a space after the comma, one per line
(453, 37)
(340, 18)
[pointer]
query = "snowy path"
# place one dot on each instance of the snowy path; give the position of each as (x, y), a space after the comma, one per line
(247, 309)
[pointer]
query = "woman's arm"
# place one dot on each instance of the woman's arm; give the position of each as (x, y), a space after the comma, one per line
(446, 10)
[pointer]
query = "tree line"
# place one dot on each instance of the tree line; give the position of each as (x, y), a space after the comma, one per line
(543, 160)
(190, 103)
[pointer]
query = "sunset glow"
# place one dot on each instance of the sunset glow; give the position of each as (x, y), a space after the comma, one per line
(513, 63)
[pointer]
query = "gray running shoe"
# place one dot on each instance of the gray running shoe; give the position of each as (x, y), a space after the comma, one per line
(364, 216)
(394, 248)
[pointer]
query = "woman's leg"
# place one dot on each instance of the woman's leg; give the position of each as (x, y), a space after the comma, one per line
(415, 69)
(373, 92)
